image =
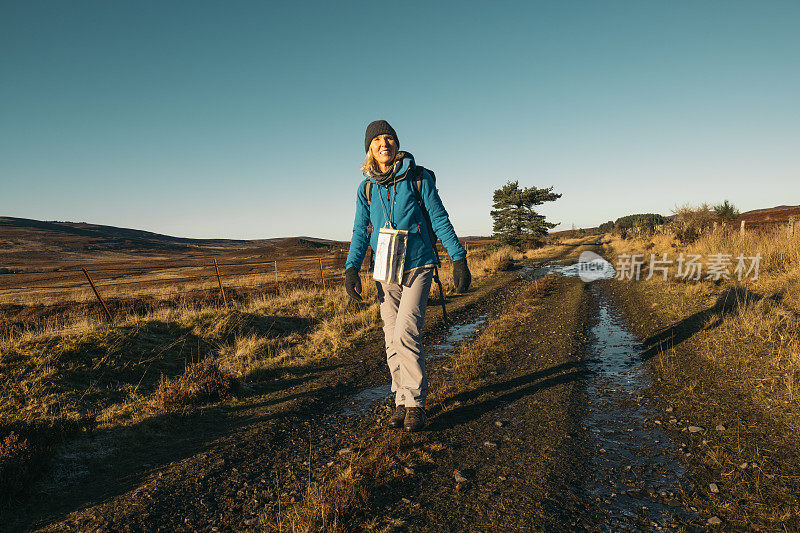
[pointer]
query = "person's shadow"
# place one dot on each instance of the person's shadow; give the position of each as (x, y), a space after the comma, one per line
(503, 393)
(729, 302)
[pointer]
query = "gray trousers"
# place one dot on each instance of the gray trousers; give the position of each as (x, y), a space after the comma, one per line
(403, 311)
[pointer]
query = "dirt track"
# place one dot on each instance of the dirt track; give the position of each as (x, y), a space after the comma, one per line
(525, 435)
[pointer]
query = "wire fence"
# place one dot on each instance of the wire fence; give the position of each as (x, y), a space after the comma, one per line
(115, 290)
(138, 279)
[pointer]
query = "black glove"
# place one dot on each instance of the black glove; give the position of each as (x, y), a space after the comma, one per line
(352, 283)
(461, 276)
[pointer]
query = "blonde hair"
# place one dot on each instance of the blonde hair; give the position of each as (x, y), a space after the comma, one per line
(370, 166)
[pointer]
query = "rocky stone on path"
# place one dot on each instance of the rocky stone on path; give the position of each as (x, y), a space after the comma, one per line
(713, 488)
(720, 427)
(345, 451)
(743, 465)
(458, 477)
(490, 444)
(501, 423)
(694, 429)
(714, 521)
(502, 477)
(408, 470)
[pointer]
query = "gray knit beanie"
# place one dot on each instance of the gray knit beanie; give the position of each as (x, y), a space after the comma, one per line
(378, 127)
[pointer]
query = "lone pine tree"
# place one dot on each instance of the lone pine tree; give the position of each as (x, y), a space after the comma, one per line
(515, 221)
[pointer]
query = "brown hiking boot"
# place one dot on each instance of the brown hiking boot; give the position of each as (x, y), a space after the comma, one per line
(398, 417)
(415, 419)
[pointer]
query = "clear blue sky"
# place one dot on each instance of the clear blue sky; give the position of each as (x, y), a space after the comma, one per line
(246, 119)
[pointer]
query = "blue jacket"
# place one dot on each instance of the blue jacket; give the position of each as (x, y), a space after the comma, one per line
(406, 215)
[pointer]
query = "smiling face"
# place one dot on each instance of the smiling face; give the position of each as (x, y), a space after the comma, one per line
(383, 149)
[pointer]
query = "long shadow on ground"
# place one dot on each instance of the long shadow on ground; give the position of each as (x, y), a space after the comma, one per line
(728, 303)
(516, 388)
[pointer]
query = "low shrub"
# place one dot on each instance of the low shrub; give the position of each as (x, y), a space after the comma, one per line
(201, 382)
(16, 457)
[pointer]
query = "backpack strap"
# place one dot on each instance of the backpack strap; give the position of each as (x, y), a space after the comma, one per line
(368, 190)
(417, 188)
(418, 183)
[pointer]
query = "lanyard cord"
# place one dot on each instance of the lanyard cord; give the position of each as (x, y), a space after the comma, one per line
(390, 219)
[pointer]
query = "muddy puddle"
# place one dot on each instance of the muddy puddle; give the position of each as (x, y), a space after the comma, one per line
(454, 336)
(637, 476)
(590, 267)
(636, 479)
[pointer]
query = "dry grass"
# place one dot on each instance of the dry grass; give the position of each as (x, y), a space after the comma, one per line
(201, 382)
(107, 371)
(505, 257)
(755, 338)
(329, 504)
(67, 372)
(16, 458)
(161, 283)
(779, 270)
(737, 363)
(473, 360)
(91, 374)
(760, 342)
(105, 376)
(740, 366)
(133, 279)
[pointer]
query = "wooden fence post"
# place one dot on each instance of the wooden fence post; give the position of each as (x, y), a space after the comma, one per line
(276, 271)
(741, 229)
(791, 226)
(98, 295)
(321, 274)
(219, 280)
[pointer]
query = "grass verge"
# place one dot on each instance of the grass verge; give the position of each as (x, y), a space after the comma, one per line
(726, 354)
(58, 382)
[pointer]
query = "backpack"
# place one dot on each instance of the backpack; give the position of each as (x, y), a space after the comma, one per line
(417, 188)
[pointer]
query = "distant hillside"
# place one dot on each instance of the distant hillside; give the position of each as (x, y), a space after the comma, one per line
(34, 240)
(756, 217)
(771, 215)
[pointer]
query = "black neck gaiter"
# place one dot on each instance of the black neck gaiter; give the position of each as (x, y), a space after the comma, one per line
(390, 177)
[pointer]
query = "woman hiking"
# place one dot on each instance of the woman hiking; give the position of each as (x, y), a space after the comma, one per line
(395, 197)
